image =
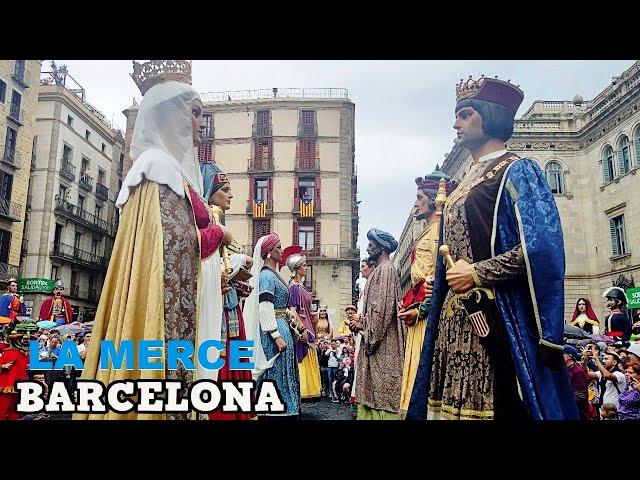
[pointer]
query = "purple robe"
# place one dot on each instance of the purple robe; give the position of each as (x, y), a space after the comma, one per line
(301, 299)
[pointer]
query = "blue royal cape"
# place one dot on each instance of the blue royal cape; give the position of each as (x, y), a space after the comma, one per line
(533, 312)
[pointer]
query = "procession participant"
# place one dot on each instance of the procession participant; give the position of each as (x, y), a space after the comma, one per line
(617, 323)
(300, 305)
(217, 189)
(379, 363)
(324, 329)
(367, 265)
(57, 308)
(14, 364)
(151, 289)
(11, 303)
(428, 207)
(500, 303)
(584, 317)
(266, 321)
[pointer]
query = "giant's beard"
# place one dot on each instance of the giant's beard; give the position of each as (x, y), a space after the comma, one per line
(375, 255)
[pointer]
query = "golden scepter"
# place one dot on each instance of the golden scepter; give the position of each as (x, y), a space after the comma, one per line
(441, 197)
(224, 253)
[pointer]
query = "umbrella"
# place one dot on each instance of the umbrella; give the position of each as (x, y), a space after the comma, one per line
(4, 320)
(575, 332)
(603, 338)
(71, 328)
(46, 324)
(87, 327)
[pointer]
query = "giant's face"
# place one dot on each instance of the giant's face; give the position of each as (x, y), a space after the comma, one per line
(582, 306)
(222, 197)
(197, 120)
(12, 287)
(57, 291)
(468, 125)
(276, 253)
(423, 205)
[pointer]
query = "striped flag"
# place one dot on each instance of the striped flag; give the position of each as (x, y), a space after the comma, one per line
(306, 208)
(259, 209)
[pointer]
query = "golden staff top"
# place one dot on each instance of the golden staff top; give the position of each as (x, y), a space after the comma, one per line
(441, 197)
(224, 253)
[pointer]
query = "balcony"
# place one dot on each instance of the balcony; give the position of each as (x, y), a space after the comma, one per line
(78, 256)
(68, 170)
(11, 157)
(330, 251)
(306, 209)
(206, 134)
(86, 181)
(259, 209)
(307, 130)
(75, 291)
(102, 191)
(8, 271)
(257, 165)
(77, 214)
(10, 210)
(262, 130)
(16, 113)
(19, 75)
(307, 164)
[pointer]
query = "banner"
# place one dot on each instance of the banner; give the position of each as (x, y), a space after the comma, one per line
(634, 297)
(35, 285)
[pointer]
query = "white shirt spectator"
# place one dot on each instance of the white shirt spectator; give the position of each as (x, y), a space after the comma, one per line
(334, 357)
(613, 390)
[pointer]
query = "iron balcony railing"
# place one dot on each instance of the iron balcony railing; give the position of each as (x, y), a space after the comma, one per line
(16, 113)
(10, 210)
(68, 170)
(86, 181)
(77, 255)
(258, 165)
(262, 130)
(92, 295)
(259, 209)
(11, 157)
(102, 191)
(307, 164)
(8, 271)
(266, 93)
(206, 134)
(81, 216)
(307, 130)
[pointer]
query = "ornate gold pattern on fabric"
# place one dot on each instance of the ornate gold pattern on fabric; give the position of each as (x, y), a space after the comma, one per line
(474, 274)
(149, 74)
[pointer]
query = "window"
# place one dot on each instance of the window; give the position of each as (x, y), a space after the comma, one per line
(76, 241)
(262, 190)
(98, 211)
(67, 153)
(6, 186)
(94, 246)
(101, 177)
(5, 245)
(62, 192)
(74, 283)
(69, 120)
(308, 117)
(104, 148)
(306, 234)
(16, 104)
(81, 200)
(207, 132)
(618, 236)
(55, 272)
(263, 122)
(85, 166)
(121, 162)
(306, 188)
(19, 70)
(555, 177)
(608, 173)
(3, 91)
(87, 133)
(10, 145)
(56, 238)
(624, 155)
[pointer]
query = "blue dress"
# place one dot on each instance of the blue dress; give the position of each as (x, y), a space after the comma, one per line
(285, 369)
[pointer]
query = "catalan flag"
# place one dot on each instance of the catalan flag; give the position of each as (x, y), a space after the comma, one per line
(259, 209)
(306, 208)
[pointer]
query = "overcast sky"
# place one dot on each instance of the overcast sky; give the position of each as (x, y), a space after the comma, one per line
(404, 109)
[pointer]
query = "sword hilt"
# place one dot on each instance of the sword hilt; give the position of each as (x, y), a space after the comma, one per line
(446, 253)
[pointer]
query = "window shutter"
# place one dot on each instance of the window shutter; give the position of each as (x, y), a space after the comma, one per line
(614, 237)
(316, 242)
(605, 170)
(636, 142)
(252, 189)
(621, 169)
(296, 194)
(317, 199)
(294, 241)
(270, 192)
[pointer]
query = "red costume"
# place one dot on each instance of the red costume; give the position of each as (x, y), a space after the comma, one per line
(8, 377)
(46, 310)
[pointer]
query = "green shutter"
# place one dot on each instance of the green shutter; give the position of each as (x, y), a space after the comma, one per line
(621, 169)
(636, 142)
(614, 236)
(605, 170)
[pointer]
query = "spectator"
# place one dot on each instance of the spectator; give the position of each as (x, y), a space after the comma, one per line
(579, 380)
(629, 402)
(611, 380)
(82, 348)
(333, 364)
(633, 352)
(324, 370)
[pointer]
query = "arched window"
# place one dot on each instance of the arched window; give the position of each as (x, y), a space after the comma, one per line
(636, 143)
(555, 177)
(624, 155)
(608, 173)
